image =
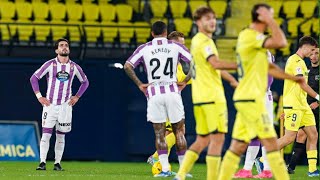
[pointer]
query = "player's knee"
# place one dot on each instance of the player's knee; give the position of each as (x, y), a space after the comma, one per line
(238, 147)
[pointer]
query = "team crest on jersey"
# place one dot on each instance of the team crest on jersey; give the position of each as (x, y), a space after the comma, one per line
(63, 76)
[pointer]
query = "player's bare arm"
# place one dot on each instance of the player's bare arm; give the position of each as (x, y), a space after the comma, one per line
(314, 105)
(73, 100)
(228, 77)
(278, 73)
(277, 39)
(132, 75)
(219, 64)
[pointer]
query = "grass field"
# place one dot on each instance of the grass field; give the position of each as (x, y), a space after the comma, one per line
(102, 170)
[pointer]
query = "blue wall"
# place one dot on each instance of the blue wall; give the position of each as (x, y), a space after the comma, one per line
(109, 121)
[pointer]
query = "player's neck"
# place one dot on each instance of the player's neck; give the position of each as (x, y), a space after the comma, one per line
(258, 27)
(206, 33)
(63, 59)
(300, 54)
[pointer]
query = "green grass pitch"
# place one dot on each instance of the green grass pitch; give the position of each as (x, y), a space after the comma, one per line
(104, 170)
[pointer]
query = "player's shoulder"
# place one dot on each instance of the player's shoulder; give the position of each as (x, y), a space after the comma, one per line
(178, 45)
(294, 59)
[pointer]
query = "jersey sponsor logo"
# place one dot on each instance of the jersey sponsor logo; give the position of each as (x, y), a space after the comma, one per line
(63, 76)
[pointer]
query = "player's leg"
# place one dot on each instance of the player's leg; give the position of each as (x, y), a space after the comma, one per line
(239, 144)
(309, 127)
(251, 154)
(63, 126)
(201, 142)
(274, 158)
(292, 123)
(266, 171)
(181, 143)
(217, 124)
(48, 122)
(298, 149)
(161, 145)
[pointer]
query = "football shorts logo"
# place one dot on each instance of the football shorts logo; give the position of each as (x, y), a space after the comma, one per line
(63, 76)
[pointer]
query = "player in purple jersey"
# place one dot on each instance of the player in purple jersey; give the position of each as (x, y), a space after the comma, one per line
(57, 105)
(160, 58)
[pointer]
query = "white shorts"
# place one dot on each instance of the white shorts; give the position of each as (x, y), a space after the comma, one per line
(269, 104)
(57, 115)
(163, 106)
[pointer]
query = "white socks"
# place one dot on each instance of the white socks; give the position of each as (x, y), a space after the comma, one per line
(266, 165)
(251, 154)
(44, 146)
(163, 158)
(59, 147)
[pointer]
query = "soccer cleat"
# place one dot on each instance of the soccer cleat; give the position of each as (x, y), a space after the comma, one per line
(243, 174)
(164, 174)
(151, 160)
(290, 171)
(259, 165)
(42, 166)
(177, 177)
(264, 174)
(57, 167)
(315, 173)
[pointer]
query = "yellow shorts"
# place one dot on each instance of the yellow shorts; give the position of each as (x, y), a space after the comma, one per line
(168, 125)
(211, 118)
(252, 121)
(296, 118)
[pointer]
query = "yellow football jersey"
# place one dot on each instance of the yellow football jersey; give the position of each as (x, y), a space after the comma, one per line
(253, 65)
(180, 74)
(293, 96)
(206, 81)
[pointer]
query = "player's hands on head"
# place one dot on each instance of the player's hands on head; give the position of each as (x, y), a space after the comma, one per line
(314, 105)
(44, 101)
(265, 15)
(181, 85)
(143, 88)
(73, 100)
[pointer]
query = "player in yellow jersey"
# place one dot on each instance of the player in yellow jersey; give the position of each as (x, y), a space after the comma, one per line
(249, 97)
(298, 113)
(210, 108)
(181, 75)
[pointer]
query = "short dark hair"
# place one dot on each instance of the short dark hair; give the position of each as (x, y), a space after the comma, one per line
(175, 35)
(201, 11)
(56, 44)
(254, 14)
(308, 40)
(159, 27)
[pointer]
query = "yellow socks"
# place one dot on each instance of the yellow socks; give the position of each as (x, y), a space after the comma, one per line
(229, 166)
(312, 160)
(213, 164)
(277, 165)
(189, 159)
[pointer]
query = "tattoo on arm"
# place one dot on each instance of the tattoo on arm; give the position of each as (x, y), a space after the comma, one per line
(132, 75)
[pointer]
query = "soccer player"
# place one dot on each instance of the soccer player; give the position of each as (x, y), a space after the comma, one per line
(254, 146)
(177, 37)
(210, 108)
(160, 58)
(252, 119)
(313, 81)
(57, 105)
(298, 113)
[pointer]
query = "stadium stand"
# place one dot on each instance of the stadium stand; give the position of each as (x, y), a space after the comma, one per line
(121, 22)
